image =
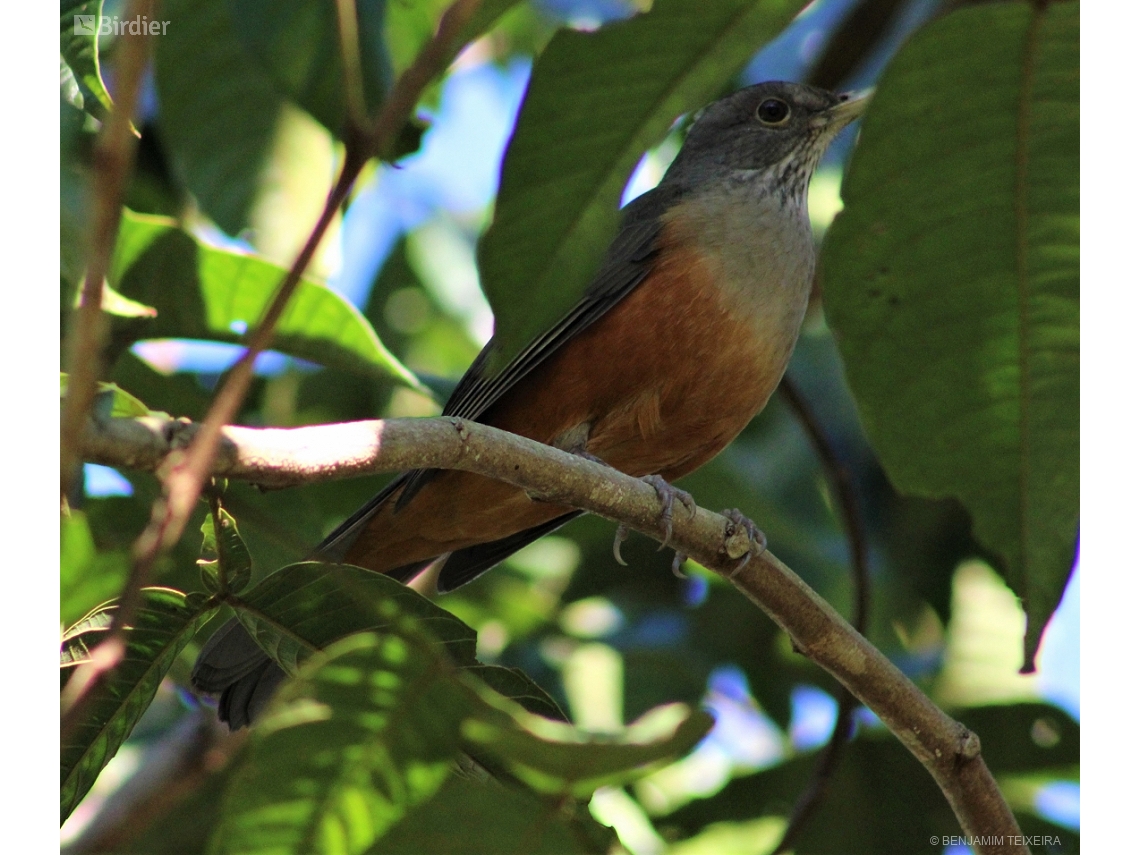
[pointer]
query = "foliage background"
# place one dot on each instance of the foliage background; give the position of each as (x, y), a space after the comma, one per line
(236, 143)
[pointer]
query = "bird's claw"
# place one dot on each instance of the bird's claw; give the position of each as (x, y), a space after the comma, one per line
(679, 558)
(619, 538)
(757, 541)
(667, 494)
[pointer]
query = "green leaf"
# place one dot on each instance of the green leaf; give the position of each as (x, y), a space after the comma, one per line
(308, 606)
(204, 292)
(952, 281)
(161, 628)
(516, 685)
(368, 729)
(86, 575)
(470, 818)
(111, 402)
(411, 25)
(219, 109)
(297, 43)
(556, 758)
(595, 103)
(79, 51)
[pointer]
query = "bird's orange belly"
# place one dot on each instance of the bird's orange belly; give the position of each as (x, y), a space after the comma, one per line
(659, 385)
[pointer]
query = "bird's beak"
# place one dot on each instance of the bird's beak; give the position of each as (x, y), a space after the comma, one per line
(850, 107)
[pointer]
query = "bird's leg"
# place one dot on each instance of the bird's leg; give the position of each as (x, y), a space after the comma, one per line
(757, 541)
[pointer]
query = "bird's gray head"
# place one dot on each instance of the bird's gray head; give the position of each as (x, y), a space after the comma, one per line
(777, 128)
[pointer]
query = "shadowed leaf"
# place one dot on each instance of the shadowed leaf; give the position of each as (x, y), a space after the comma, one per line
(952, 282)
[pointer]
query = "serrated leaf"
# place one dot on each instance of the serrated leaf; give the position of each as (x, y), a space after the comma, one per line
(368, 729)
(595, 103)
(297, 43)
(219, 109)
(306, 607)
(952, 282)
(79, 49)
(204, 292)
(162, 626)
(553, 757)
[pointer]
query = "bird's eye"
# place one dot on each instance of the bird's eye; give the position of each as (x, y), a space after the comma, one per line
(773, 111)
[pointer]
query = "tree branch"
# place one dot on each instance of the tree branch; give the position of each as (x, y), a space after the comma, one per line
(279, 457)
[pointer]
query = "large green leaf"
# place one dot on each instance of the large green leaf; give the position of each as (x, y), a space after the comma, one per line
(368, 728)
(161, 628)
(310, 605)
(79, 55)
(204, 292)
(219, 109)
(595, 103)
(952, 281)
(297, 42)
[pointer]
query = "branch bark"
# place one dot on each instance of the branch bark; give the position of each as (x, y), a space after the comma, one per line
(282, 457)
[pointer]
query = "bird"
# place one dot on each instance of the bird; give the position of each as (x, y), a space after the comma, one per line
(676, 344)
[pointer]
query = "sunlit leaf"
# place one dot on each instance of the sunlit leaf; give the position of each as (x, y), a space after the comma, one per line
(86, 575)
(952, 281)
(201, 291)
(162, 626)
(367, 730)
(111, 402)
(595, 103)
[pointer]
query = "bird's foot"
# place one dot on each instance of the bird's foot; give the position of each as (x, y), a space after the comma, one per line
(668, 495)
(757, 541)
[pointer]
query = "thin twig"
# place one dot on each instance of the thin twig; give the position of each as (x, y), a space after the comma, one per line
(113, 156)
(844, 491)
(950, 753)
